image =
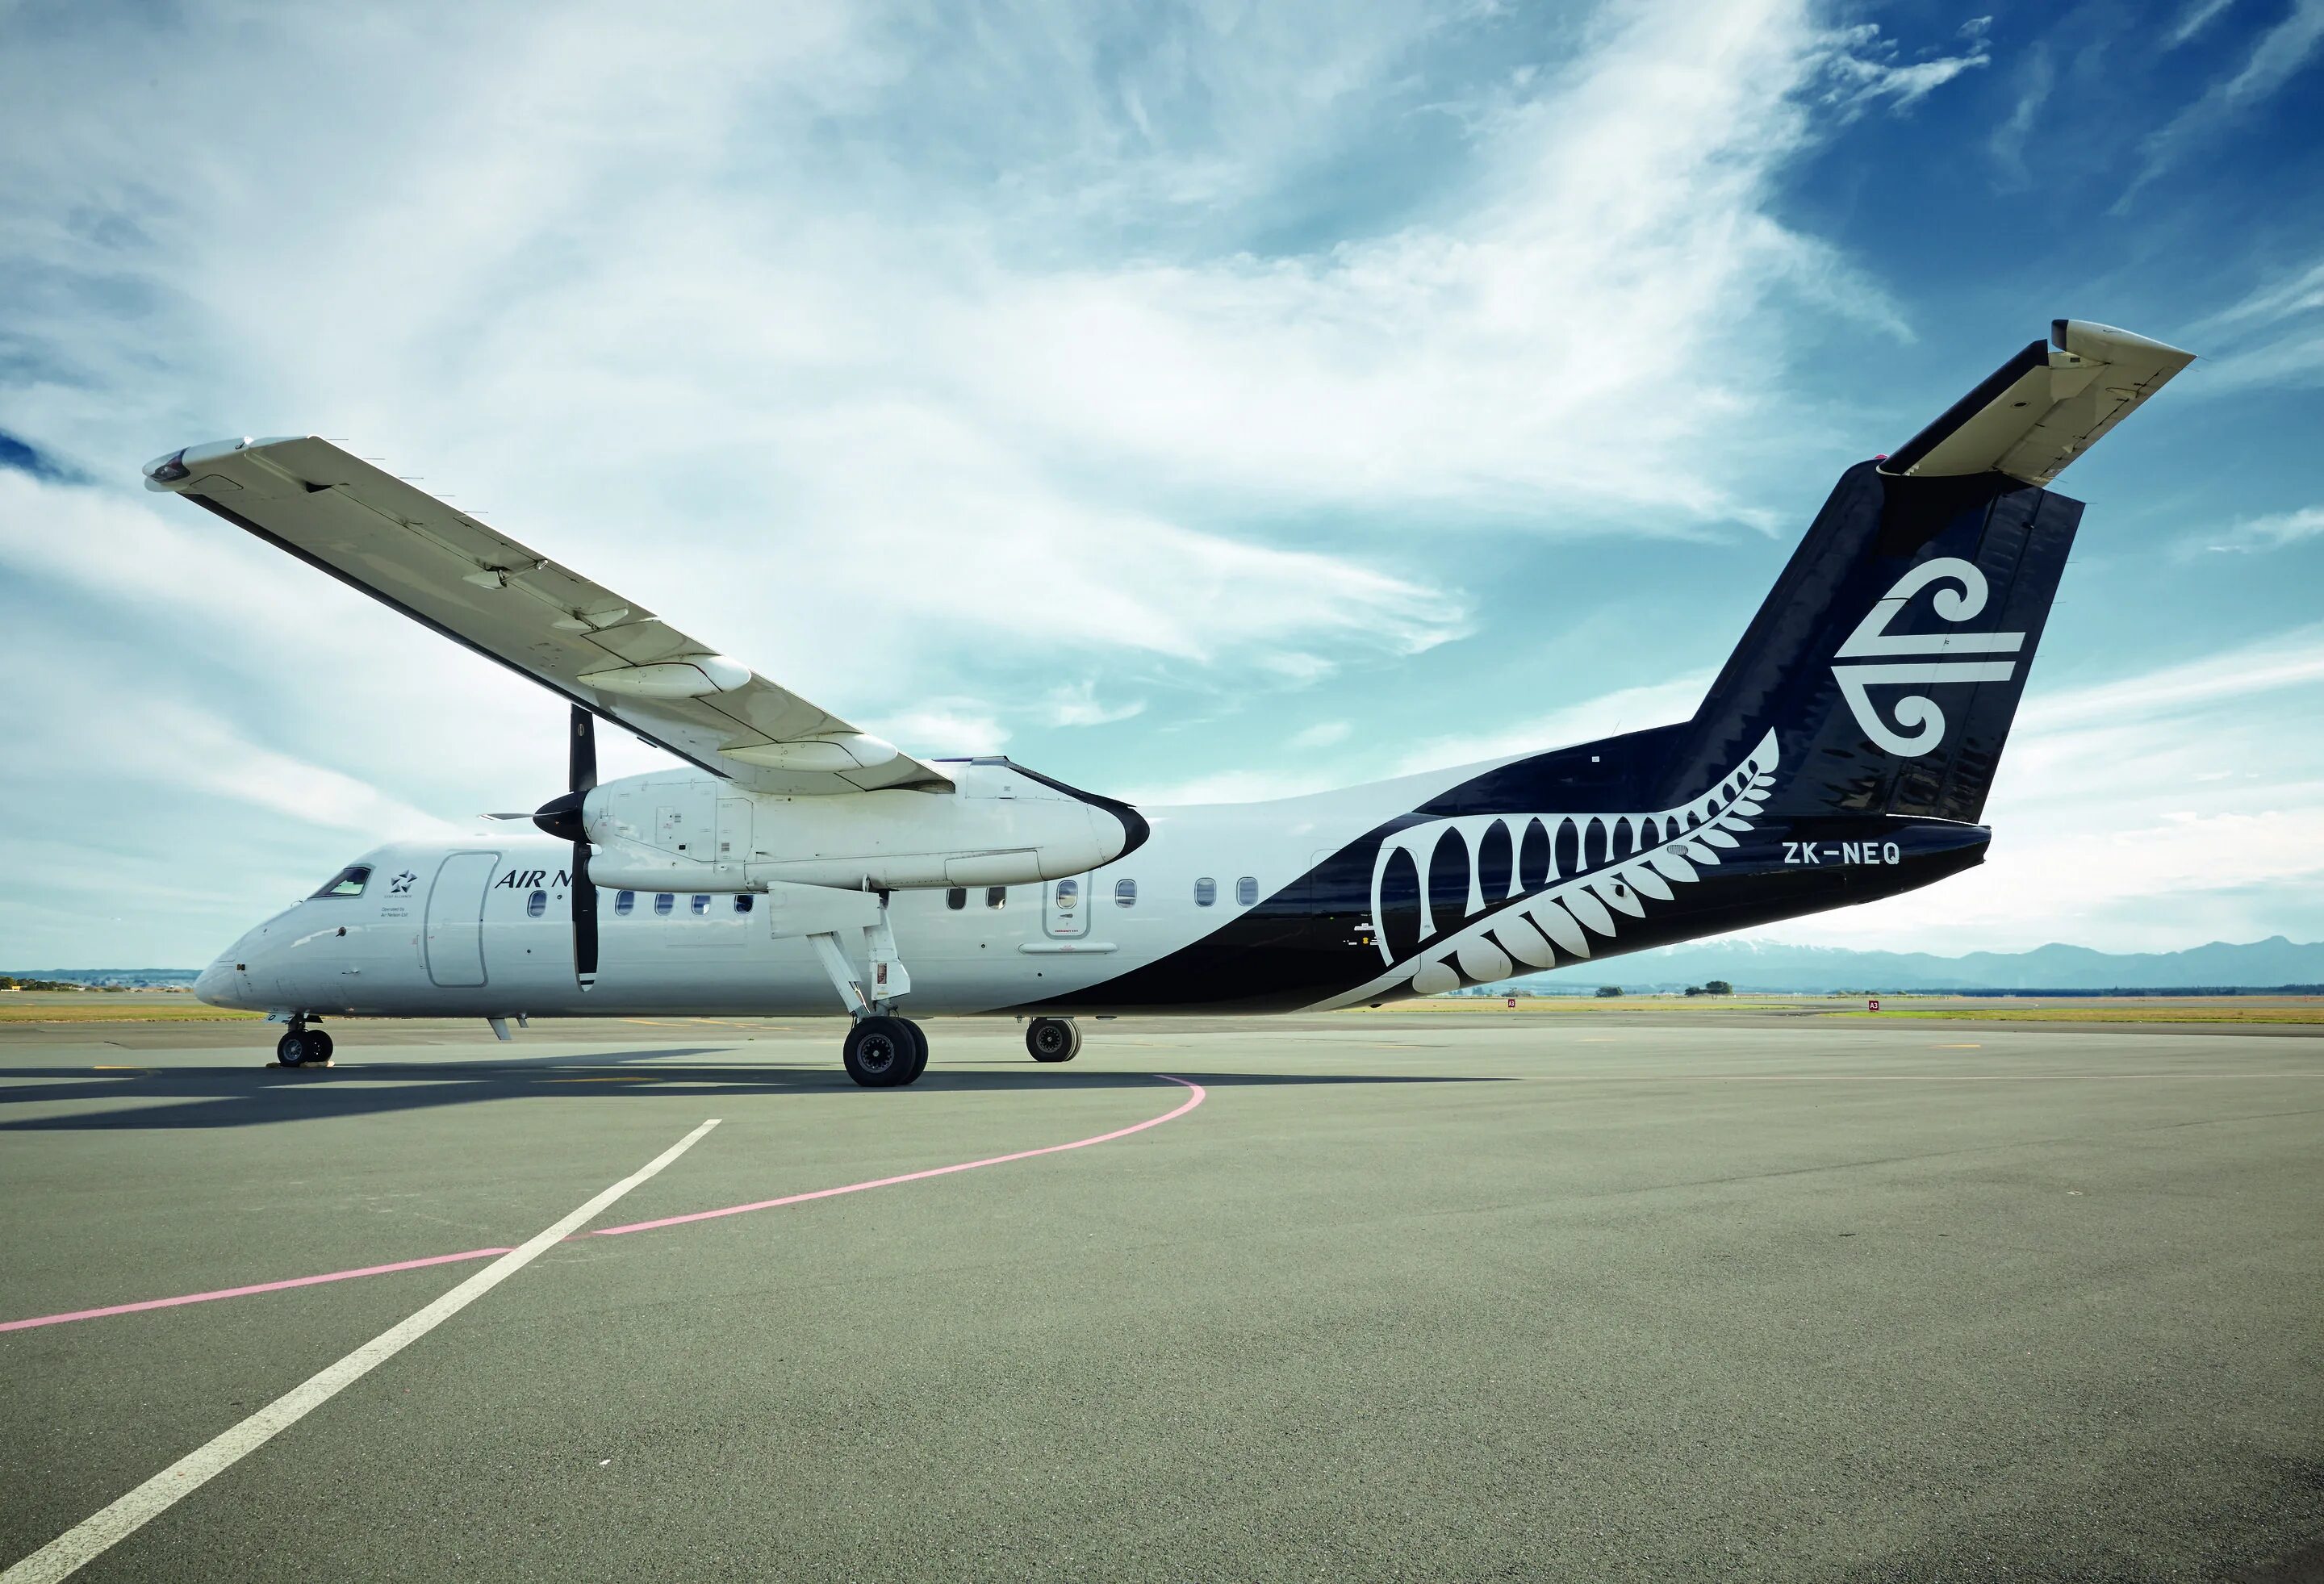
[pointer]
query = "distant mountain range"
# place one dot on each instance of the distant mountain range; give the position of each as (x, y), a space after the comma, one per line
(1767, 965)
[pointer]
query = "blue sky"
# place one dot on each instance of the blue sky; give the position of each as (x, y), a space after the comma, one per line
(1193, 402)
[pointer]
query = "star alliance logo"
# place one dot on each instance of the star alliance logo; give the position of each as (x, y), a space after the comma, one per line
(401, 886)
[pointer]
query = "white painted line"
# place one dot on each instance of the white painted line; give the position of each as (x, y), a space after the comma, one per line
(89, 1539)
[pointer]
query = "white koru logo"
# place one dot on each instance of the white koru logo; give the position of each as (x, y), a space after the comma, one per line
(1916, 711)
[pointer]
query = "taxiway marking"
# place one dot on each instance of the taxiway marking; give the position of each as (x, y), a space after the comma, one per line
(94, 1535)
(1196, 1099)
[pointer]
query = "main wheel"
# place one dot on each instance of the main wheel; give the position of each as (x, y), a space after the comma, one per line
(1053, 1039)
(295, 1049)
(920, 1049)
(318, 1045)
(880, 1051)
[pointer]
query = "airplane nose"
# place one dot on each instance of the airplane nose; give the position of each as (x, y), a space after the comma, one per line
(215, 983)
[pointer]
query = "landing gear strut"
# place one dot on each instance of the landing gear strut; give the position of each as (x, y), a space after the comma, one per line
(303, 1046)
(1053, 1039)
(883, 1051)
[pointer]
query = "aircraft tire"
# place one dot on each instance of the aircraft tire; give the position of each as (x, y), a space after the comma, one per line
(295, 1049)
(880, 1051)
(919, 1050)
(1053, 1039)
(318, 1045)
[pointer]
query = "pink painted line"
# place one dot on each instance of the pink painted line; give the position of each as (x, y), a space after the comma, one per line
(1196, 1097)
(337, 1276)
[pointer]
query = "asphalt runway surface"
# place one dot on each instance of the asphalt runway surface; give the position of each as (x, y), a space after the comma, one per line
(1399, 1295)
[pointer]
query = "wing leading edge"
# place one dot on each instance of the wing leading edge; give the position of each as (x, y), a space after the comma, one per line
(490, 593)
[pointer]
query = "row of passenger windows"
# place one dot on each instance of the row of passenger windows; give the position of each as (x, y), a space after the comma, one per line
(1125, 893)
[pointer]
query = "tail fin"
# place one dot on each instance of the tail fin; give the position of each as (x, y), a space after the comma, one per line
(1890, 655)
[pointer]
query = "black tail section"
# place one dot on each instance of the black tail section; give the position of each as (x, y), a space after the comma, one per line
(1891, 653)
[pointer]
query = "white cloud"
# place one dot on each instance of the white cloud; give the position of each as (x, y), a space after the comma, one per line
(2276, 56)
(899, 356)
(1862, 69)
(1321, 734)
(1077, 704)
(1626, 709)
(2262, 533)
(2198, 16)
(2137, 815)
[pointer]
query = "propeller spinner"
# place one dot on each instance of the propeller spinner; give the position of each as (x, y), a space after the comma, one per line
(562, 817)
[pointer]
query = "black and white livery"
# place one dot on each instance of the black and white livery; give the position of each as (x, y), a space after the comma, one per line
(796, 864)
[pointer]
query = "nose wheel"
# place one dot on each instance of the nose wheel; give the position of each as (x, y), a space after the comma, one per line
(303, 1048)
(884, 1052)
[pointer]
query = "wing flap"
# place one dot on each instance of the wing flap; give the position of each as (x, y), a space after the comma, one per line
(444, 568)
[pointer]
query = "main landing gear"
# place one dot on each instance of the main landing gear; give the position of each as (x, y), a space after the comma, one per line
(303, 1046)
(883, 1051)
(1053, 1039)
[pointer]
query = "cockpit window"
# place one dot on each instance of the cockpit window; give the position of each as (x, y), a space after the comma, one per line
(349, 882)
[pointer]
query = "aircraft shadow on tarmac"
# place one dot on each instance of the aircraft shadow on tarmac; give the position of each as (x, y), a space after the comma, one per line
(244, 1096)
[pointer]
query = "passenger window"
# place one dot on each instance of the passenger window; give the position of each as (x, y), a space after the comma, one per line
(701, 903)
(536, 904)
(663, 904)
(624, 901)
(996, 896)
(956, 898)
(1206, 891)
(348, 882)
(1069, 895)
(1247, 890)
(743, 901)
(1125, 893)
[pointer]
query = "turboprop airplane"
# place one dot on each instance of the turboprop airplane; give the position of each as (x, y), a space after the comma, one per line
(796, 864)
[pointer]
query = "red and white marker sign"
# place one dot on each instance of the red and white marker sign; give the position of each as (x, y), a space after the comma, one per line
(1873, 1005)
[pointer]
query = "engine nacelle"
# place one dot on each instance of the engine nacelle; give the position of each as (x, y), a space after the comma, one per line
(1000, 826)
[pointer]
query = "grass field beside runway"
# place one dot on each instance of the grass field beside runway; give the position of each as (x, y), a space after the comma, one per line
(1437, 1297)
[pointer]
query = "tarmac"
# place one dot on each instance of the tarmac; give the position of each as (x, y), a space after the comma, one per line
(1396, 1295)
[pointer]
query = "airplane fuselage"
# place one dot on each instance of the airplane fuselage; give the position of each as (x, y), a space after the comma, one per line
(1353, 896)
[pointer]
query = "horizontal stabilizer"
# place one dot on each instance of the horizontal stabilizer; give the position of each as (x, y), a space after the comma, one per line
(2043, 408)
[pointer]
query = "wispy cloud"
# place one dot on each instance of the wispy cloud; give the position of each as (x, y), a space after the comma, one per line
(2137, 814)
(2276, 55)
(1077, 704)
(2198, 16)
(2036, 77)
(2259, 533)
(1863, 67)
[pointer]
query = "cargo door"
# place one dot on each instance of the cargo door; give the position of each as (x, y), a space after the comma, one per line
(456, 918)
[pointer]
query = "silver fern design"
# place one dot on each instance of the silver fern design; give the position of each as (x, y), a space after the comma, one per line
(1600, 868)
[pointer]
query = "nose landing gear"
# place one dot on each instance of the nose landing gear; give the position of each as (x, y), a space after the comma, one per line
(303, 1046)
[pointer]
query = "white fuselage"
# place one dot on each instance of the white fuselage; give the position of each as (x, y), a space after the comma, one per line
(484, 927)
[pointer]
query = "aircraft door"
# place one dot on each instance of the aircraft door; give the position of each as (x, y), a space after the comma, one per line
(1065, 912)
(456, 918)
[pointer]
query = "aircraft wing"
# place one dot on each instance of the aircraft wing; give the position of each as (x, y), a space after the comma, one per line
(2044, 407)
(445, 569)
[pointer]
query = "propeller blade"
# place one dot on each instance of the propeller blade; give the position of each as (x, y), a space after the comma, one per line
(504, 817)
(580, 777)
(585, 918)
(581, 763)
